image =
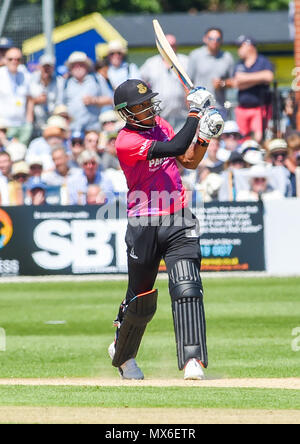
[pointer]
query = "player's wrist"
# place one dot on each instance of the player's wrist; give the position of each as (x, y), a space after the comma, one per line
(203, 142)
(195, 112)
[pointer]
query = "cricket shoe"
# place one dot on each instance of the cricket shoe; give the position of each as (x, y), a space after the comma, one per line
(193, 371)
(128, 370)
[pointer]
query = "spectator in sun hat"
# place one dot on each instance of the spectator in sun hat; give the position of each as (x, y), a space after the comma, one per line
(83, 94)
(230, 140)
(252, 153)
(120, 69)
(17, 151)
(253, 75)
(260, 187)
(35, 166)
(16, 187)
(110, 123)
(277, 154)
(231, 137)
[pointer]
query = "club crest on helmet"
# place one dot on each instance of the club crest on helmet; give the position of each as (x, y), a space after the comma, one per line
(142, 89)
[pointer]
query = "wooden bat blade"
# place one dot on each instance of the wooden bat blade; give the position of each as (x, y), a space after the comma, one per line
(170, 57)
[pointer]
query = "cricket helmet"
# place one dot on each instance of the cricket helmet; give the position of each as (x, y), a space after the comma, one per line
(135, 92)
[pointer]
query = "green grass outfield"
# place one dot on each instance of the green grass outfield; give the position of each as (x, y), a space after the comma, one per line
(249, 326)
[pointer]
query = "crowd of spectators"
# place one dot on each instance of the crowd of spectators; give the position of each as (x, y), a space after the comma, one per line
(58, 126)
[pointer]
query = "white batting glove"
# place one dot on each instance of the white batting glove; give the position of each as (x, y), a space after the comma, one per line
(211, 125)
(200, 99)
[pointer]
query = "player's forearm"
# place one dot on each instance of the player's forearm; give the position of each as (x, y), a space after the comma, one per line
(193, 156)
(179, 144)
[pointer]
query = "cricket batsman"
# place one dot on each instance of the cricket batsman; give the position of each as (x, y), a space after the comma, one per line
(160, 224)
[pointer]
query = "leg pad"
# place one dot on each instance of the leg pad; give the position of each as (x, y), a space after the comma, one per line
(132, 322)
(188, 313)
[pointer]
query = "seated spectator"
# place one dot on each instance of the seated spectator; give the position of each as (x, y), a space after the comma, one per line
(3, 135)
(5, 165)
(91, 141)
(44, 90)
(279, 173)
(260, 188)
(62, 172)
(5, 177)
(231, 137)
(91, 174)
(293, 162)
(5, 45)
(77, 147)
(16, 187)
(211, 161)
(83, 95)
(42, 147)
(290, 113)
(35, 167)
(119, 69)
(252, 153)
(109, 158)
(95, 195)
(209, 188)
(16, 102)
(62, 111)
(110, 123)
(36, 191)
(234, 178)
(4, 198)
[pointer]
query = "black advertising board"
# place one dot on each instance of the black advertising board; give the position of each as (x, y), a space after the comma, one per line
(232, 237)
(56, 240)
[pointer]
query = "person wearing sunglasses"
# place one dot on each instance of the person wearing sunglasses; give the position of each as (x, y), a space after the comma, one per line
(210, 67)
(16, 103)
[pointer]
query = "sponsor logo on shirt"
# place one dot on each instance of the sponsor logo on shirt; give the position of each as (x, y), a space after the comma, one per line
(144, 147)
(155, 164)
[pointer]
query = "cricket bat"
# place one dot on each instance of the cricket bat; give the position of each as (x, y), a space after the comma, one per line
(170, 57)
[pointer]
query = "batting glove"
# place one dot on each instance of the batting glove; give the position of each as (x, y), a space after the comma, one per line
(211, 125)
(200, 99)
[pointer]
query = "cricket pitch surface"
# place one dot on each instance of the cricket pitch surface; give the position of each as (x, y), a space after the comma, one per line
(95, 415)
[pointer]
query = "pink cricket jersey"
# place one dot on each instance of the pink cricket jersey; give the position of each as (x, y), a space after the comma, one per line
(155, 186)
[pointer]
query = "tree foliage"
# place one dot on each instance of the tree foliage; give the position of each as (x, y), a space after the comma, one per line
(67, 10)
